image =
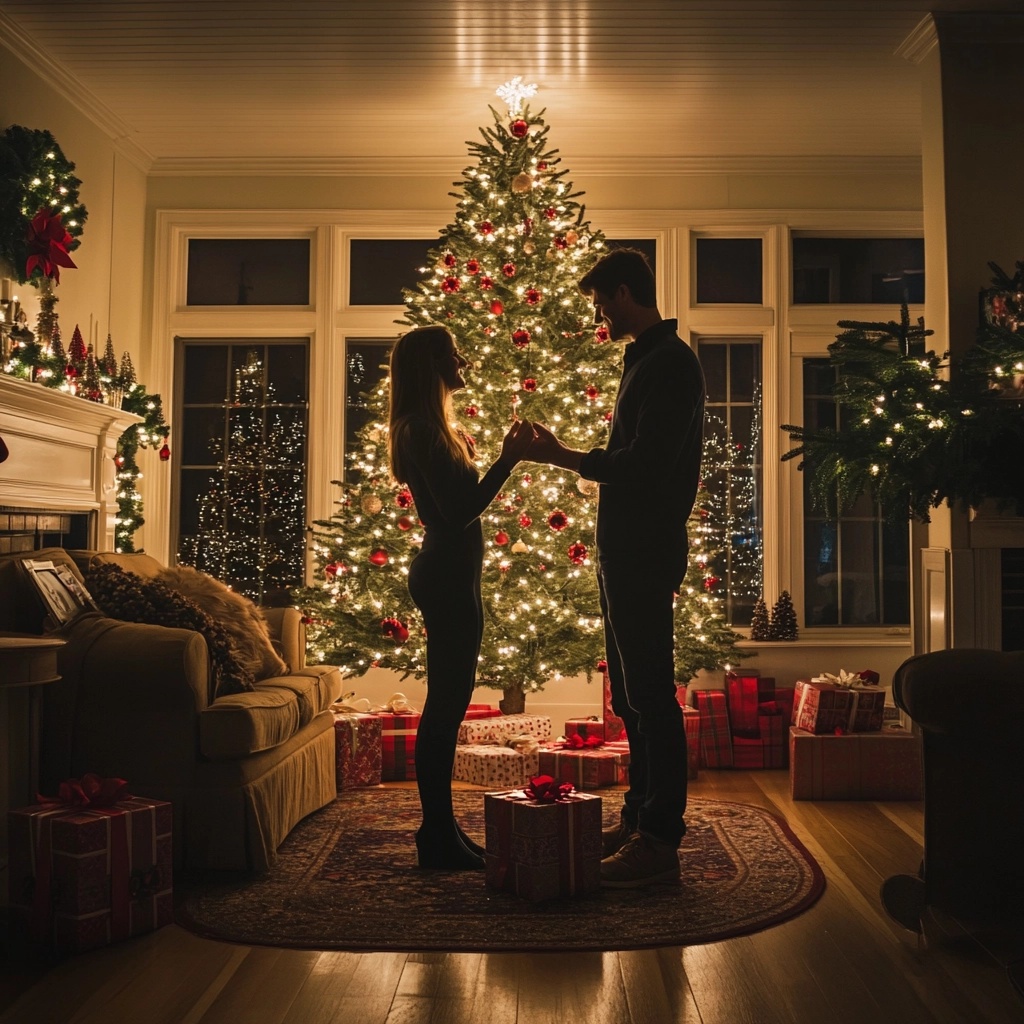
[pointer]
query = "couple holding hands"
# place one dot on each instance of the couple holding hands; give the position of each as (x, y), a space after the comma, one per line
(651, 461)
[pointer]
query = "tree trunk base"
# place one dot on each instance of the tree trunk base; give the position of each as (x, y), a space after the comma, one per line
(513, 702)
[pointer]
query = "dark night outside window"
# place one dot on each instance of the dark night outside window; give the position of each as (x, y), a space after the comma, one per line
(248, 272)
(886, 271)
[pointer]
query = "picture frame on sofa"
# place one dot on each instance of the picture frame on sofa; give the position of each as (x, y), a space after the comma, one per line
(63, 596)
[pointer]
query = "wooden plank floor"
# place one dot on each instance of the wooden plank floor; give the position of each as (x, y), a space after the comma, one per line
(841, 962)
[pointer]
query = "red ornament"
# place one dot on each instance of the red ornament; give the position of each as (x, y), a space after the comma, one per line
(527, 226)
(602, 666)
(551, 213)
(471, 411)
(601, 334)
(521, 338)
(532, 296)
(509, 270)
(378, 556)
(608, 416)
(472, 267)
(497, 308)
(501, 538)
(450, 260)
(403, 499)
(560, 242)
(404, 523)
(542, 166)
(486, 284)
(335, 569)
(558, 520)
(165, 452)
(394, 628)
(519, 128)
(529, 384)
(527, 479)
(119, 461)
(486, 227)
(592, 392)
(577, 553)
(450, 285)
(710, 582)
(525, 521)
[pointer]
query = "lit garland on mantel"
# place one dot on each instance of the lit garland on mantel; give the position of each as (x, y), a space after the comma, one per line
(917, 432)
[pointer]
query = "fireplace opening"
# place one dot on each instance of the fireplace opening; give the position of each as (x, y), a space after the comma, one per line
(27, 529)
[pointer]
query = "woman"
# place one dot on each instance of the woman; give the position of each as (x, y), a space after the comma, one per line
(435, 461)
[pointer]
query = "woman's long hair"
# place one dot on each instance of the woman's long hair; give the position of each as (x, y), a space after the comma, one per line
(418, 390)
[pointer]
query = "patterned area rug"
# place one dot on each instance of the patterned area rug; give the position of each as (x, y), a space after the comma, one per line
(347, 879)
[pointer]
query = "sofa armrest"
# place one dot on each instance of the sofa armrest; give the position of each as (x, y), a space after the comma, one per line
(288, 634)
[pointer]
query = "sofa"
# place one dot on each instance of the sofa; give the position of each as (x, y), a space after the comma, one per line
(136, 701)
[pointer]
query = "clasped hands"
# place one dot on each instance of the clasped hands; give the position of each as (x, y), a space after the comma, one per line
(534, 442)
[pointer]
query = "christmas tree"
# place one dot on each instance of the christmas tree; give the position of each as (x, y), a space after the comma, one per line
(783, 625)
(760, 625)
(250, 520)
(503, 279)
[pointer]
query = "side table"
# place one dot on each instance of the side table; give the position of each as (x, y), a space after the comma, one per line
(26, 664)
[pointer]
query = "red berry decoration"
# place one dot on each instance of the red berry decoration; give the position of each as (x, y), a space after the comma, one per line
(501, 538)
(378, 556)
(471, 411)
(527, 479)
(525, 521)
(404, 523)
(521, 338)
(394, 628)
(551, 213)
(472, 267)
(577, 553)
(486, 227)
(592, 392)
(560, 242)
(486, 284)
(509, 270)
(710, 582)
(542, 166)
(601, 334)
(450, 284)
(529, 384)
(532, 296)
(558, 520)
(450, 260)
(497, 308)
(519, 128)
(403, 499)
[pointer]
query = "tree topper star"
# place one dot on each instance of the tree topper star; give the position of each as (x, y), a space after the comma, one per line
(514, 92)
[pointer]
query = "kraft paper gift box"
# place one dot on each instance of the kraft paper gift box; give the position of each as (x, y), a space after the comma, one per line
(769, 750)
(745, 693)
(614, 727)
(585, 727)
(358, 744)
(882, 765)
(495, 766)
(83, 877)
(541, 851)
(823, 707)
(715, 737)
(585, 769)
(477, 711)
(398, 745)
(691, 723)
(504, 728)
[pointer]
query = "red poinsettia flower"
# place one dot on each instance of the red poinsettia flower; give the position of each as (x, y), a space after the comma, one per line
(48, 243)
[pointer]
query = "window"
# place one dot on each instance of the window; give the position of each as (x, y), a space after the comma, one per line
(248, 272)
(856, 565)
(858, 270)
(242, 483)
(729, 270)
(732, 468)
(379, 268)
(366, 368)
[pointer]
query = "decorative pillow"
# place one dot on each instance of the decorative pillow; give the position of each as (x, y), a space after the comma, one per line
(123, 595)
(235, 612)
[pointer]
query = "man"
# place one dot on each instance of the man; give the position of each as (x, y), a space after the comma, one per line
(648, 473)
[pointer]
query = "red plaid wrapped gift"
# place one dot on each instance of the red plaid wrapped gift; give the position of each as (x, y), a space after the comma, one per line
(691, 723)
(769, 750)
(496, 766)
(585, 728)
(86, 876)
(715, 738)
(541, 851)
(882, 765)
(621, 747)
(358, 750)
(504, 728)
(822, 706)
(585, 767)
(614, 727)
(398, 745)
(745, 693)
(477, 711)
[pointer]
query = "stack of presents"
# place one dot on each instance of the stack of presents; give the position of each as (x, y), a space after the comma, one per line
(836, 733)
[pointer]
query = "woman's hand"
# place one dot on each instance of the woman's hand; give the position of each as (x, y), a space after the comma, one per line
(547, 448)
(518, 440)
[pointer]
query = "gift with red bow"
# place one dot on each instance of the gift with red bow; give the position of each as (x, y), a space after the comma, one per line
(586, 763)
(91, 865)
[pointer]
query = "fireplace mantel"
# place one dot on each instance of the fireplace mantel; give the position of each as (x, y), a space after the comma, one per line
(61, 453)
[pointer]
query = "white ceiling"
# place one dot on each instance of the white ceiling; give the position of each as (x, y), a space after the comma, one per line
(320, 85)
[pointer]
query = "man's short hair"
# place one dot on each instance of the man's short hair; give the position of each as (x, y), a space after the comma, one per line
(622, 266)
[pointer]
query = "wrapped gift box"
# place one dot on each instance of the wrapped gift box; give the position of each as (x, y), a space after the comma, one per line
(585, 728)
(882, 765)
(745, 693)
(83, 878)
(477, 711)
(398, 745)
(504, 728)
(822, 707)
(585, 769)
(542, 851)
(691, 723)
(614, 727)
(358, 750)
(715, 737)
(769, 750)
(621, 747)
(491, 765)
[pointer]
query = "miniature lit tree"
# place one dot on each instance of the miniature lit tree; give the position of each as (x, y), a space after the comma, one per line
(760, 626)
(783, 624)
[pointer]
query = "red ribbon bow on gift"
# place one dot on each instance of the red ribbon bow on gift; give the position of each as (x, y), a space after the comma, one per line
(91, 790)
(870, 677)
(48, 242)
(545, 790)
(577, 742)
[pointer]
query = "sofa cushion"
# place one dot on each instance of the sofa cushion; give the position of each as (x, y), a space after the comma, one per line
(123, 595)
(235, 612)
(246, 723)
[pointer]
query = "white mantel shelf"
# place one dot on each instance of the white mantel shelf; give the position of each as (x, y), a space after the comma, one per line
(61, 453)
